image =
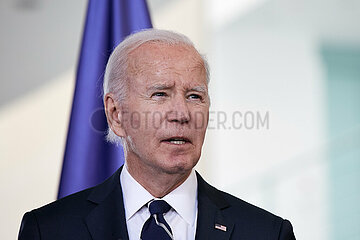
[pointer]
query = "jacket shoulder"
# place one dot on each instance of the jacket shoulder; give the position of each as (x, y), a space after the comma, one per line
(74, 204)
(233, 205)
(66, 217)
(252, 212)
(49, 221)
(254, 220)
(249, 220)
(80, 203)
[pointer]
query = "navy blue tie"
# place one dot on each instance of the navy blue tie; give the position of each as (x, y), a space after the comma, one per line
(156, 228)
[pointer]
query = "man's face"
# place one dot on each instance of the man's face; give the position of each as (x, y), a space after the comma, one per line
(165, 114)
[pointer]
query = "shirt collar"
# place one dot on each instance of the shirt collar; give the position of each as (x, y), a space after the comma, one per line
(135, 196)
(183, 199)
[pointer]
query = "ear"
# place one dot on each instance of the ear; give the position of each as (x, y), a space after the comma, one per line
(113, 114)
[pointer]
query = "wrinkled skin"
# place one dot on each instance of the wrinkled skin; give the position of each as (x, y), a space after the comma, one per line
(164, 117)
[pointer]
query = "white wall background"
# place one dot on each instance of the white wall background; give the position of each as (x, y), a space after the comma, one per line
(264, 57)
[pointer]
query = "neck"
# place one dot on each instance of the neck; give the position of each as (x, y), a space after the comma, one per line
(158, 183)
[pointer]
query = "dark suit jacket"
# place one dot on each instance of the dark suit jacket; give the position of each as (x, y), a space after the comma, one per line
(98, 213)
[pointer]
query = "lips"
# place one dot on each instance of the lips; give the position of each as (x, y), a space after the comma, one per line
(176, 140)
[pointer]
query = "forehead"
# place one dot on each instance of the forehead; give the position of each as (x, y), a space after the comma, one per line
(157, 57)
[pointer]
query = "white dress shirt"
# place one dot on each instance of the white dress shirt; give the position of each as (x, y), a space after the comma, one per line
(183, 200)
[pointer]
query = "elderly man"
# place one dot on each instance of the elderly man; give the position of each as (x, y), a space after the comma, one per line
(157, 105)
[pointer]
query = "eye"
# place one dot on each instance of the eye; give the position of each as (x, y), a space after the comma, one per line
(195, 96)
(159, 94)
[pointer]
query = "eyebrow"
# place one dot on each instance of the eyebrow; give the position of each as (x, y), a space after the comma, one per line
(160, 87)
(201, 89)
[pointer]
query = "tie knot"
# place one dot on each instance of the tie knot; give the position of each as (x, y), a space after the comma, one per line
(159, 207)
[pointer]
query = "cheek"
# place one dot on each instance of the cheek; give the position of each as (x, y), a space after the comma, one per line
(132, 121)
(201, 120)
(153, 120)
(144, 124)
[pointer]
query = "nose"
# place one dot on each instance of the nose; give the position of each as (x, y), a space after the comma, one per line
(178, 111)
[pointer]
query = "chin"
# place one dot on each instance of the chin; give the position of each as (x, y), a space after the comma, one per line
(179, 166)
(176, 170)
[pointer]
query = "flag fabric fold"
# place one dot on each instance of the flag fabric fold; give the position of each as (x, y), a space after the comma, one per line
(88, 158)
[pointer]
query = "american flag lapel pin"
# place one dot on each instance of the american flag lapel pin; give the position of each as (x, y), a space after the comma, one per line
(220, 227)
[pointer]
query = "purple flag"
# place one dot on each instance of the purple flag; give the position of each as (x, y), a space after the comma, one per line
(88, 158)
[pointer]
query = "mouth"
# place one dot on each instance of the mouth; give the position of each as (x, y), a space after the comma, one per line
(176, 140)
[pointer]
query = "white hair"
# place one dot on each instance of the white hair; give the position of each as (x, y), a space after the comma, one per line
(116, 74)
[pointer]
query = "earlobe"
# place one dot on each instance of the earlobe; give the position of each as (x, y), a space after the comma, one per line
(113, 114)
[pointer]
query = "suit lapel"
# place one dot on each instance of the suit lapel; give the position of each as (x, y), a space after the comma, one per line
(107, 219)
(211, 224)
